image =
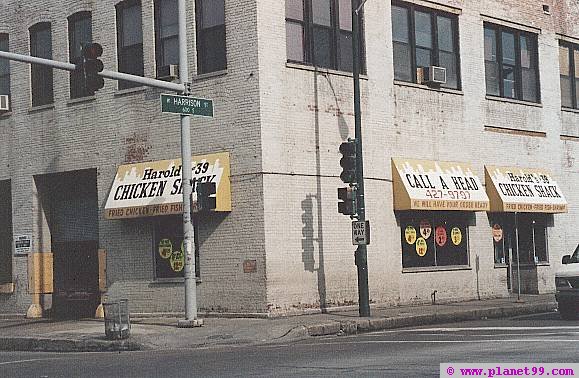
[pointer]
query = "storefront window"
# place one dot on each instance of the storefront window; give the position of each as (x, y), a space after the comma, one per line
(532, 238)
(434, 239)
(169, 250)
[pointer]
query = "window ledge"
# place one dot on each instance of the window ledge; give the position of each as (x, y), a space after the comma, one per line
(39, 108)
(501, 266)
(5, 114)
(570, 110)
(513, 101)
(7, 288)
(327, 71)
(128, 91)
(80, 100)
(163, 281)
(209, 75)
(436, 269)
(426, 87)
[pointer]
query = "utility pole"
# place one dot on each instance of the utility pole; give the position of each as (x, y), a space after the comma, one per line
(361, 255)
(188, 234)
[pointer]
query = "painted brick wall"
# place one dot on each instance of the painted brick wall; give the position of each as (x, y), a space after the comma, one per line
(117, 127)
(306, 118)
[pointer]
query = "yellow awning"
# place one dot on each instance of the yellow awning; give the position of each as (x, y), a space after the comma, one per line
(512, 189)
(436, 185)
(155, 188)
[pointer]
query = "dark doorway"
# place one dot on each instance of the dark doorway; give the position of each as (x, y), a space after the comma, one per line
(70, 205)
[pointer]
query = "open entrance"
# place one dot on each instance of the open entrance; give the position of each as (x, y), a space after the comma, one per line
(520, 241)
(70, 205)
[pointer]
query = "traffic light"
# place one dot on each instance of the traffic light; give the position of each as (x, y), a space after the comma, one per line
(206, 200)
(92, 66)
(347, 196)
(348, 161)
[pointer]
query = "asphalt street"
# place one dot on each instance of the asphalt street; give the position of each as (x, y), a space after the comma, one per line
(414, 352)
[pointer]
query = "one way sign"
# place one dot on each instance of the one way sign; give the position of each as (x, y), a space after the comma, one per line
(361, 232)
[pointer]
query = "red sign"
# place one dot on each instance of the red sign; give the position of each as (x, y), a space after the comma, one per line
(440, 236)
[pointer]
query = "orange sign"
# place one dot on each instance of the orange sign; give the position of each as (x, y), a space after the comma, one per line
(497, 232)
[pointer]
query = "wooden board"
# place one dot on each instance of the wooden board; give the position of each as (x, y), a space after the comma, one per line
(40, 273)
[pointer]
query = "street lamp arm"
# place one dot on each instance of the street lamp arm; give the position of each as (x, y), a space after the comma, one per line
(360, 7)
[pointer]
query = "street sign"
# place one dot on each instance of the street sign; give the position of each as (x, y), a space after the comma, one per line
(186, 105)
(361, 232)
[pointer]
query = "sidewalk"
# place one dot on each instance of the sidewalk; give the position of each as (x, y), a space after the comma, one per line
(161, 333)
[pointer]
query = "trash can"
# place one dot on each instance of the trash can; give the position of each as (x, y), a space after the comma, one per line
(117, 322)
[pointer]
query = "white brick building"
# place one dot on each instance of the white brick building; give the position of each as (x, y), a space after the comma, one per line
(283, 247)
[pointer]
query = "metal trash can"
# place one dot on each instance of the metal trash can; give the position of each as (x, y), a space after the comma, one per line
(117, 322)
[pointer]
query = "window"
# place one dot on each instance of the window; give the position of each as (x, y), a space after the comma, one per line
(434, 239)
(41, 76)
(166, 33)
(79, 34)
(319, 32)
(4, 67)
(424, 37)
(532, 238)
(130, 40)
(211, 49)
(569, 74)
(168, 248)
(5, 232)
(511, 63)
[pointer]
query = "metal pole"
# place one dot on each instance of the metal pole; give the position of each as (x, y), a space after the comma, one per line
(105, 73)
(361, 253)
(188, 234)
(518, 260)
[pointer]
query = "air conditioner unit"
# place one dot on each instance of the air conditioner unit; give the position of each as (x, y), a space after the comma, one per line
(168, 72)
(433, 75)
(4, 103)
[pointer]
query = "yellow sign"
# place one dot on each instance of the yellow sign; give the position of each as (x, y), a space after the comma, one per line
(155, 188)
(165, 248)
(410, 235)
(421, 247)
(456, 236)
(437, 185)
(177, 261)
(524, 190)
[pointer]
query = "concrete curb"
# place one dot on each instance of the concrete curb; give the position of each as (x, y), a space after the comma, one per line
(352, 327)
(34, 344)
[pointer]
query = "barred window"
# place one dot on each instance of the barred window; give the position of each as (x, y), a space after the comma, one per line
(434, 239)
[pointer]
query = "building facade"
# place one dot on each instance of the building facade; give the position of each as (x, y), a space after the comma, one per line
(470, 181)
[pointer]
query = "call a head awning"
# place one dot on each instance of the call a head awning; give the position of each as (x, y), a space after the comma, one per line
(512, 189)
(155, 188)
(436, 185)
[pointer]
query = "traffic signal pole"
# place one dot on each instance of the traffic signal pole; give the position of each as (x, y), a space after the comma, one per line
(188, 234)
(361, 255)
